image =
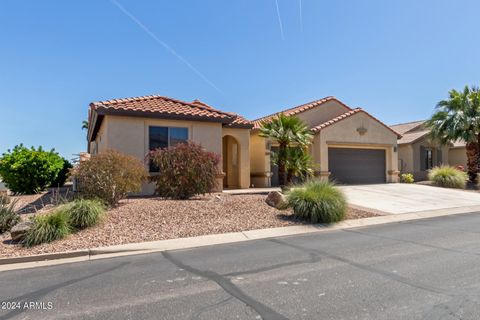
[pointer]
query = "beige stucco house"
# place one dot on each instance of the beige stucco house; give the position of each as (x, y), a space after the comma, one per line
(349, 146)
(417, 154)
(137, 125)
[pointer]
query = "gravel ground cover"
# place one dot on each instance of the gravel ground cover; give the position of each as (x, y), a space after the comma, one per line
(150, 219)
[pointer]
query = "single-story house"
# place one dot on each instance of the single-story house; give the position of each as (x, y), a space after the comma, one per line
(137, 125)
(349, 146)
(417, 153)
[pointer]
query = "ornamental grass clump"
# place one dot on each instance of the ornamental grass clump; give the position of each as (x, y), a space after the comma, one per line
(8, 216)
(184, 170)
(448, 177)
(318, 202)
(84, 213)
(47, 228)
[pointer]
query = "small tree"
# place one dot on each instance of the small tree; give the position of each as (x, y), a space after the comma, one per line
(110, 176)
(288, 132)
(62, 175)
(185, 170)
(29, 170)
(458, 118)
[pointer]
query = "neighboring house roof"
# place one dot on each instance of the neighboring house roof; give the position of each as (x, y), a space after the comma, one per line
(410, 131)
(459, 144)
(348, 114)
(296, 110)
(406, 127)
(411, 137)
(156, 106)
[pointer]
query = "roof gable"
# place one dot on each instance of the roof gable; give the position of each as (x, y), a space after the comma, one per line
(298, 109)
(348, 114)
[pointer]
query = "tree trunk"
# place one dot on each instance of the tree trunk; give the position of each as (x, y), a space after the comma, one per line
(282, 155)
(473, 152)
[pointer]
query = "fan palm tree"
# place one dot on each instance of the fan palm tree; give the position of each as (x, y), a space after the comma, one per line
(299, 164)
(458, 118)
(286, 131)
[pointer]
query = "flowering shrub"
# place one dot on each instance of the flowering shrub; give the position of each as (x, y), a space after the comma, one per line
(407, 178)
(184, 170)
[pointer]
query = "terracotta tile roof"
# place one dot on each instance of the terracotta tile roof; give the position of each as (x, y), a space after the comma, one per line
(162, 107)
(405, 127)
(159, 105)
(348, 114)
(296, 110)
(411, 137)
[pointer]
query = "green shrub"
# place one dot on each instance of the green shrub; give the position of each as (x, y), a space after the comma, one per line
(84, 213)
(47, 228)
(8, 217)
(318, 202)
(62, 175)
(110, 176)
(185, 170)
(31, 170)
(406, 178)
(448, 177)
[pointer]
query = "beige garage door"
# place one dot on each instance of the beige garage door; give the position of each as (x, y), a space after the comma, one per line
(356, 166)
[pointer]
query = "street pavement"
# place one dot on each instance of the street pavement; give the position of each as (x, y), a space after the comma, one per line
(422, 269)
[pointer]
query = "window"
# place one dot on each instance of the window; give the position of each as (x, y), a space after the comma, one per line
(428, 159)
(163, 137)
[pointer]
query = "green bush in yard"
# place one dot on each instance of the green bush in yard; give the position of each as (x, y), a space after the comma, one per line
(318, 202)
(47, 228)
(62, 175)
(448, 177)
(84, 213)
(8, 216)
(31, 170)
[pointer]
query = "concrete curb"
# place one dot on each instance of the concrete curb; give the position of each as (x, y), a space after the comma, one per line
(214, 239)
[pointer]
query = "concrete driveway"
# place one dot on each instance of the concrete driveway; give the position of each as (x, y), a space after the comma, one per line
(398, 198)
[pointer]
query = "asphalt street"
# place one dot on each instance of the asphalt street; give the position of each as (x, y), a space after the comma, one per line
(422, 269)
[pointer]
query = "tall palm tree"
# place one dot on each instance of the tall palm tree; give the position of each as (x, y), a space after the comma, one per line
(458, 118)
(84, 125)
(286, 131)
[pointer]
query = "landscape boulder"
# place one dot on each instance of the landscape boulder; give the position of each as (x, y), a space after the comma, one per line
(276, 199)
(19, 230)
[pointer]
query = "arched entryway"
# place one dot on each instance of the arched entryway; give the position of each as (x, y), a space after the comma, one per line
(231, 162)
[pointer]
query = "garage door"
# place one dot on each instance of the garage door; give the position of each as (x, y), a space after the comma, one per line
(356, 166)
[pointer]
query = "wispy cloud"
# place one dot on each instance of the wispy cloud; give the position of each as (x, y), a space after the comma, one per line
(301, 15)
(165, 45)
(279, 20)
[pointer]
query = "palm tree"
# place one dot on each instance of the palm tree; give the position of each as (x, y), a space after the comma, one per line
(84, 125)
(458, 118)
(299, 164)
(286, 131)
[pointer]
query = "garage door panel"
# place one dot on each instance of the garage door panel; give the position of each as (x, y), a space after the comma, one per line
(356, 166)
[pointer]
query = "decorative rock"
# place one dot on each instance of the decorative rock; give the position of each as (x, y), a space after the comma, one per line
(276, 199)
(19, 230)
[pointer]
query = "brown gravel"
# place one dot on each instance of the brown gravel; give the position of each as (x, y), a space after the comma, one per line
(149, 219)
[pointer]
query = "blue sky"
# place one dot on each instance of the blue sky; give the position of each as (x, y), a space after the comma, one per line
(396, 59)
